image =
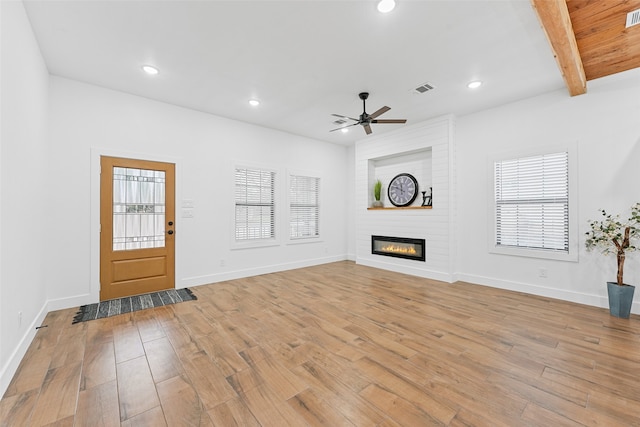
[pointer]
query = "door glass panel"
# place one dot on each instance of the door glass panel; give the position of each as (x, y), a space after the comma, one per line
(138, 208)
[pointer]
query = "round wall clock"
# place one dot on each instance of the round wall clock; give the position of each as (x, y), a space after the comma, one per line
(403, 190)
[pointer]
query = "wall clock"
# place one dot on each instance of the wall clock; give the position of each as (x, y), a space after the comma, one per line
(403, 190)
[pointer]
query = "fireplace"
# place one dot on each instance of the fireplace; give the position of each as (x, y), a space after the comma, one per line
(398, 247)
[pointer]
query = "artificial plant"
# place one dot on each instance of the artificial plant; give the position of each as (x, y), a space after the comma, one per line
(613, 236)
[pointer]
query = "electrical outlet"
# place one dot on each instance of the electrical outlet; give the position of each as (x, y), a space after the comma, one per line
(223, 262)
(19, 318)
(542, 272)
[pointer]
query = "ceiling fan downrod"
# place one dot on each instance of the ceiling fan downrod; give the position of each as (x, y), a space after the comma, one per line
(364, 117)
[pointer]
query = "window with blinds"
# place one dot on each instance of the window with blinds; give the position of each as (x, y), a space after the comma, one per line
(255, 205)
(532, 202)
(304, 207)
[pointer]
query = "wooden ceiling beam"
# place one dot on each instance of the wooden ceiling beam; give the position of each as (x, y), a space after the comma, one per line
(555, 20)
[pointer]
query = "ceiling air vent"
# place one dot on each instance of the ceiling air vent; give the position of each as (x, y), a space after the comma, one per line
(425, 87)
(339, 122)
(633, 18)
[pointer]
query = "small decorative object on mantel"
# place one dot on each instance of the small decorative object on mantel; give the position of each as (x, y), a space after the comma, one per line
(614, 236)
(427, 200)
(377, 189)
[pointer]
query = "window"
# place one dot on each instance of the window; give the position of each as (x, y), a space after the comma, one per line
(532, 203)
(304, 208)
(255, 206)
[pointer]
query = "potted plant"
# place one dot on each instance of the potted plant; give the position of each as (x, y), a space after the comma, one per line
(377, 190)
(613, 236)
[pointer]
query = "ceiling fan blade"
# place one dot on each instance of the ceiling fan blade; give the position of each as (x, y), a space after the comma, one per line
(345, 117)
(379, 112)
(367, 128)
(389, 121)
(343, 127)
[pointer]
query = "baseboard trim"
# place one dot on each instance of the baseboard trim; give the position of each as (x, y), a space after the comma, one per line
(64, 303)
(240, 274)
(10, 368)
(562, 294)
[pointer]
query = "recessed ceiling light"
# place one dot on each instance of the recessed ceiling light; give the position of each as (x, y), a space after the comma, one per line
(385, 6)
(344, 130)
(254, 102)
(474, 84)
(152, 71)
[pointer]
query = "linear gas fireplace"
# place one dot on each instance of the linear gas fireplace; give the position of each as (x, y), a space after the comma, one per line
(398, 247)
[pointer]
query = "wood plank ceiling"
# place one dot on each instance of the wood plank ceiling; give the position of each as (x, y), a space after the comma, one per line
(589, 38)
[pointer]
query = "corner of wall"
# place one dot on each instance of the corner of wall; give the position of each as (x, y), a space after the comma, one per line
(11, 366)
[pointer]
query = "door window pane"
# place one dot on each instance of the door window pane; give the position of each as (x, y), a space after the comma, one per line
(138, 208)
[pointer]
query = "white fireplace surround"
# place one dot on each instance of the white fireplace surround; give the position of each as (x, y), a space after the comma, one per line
(426, 151)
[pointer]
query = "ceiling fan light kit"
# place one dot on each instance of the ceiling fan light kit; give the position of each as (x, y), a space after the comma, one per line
(365, 119)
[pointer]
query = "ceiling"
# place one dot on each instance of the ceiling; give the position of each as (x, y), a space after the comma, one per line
(591, 38)
(605, 45)
(303, 60)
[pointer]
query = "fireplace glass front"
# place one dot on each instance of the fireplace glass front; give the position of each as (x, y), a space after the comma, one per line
(398, 247)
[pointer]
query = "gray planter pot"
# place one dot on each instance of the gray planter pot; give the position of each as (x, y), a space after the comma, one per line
(620, 299)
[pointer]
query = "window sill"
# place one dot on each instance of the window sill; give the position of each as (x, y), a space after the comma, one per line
(572, 256)
(305, 240)
(253, 244)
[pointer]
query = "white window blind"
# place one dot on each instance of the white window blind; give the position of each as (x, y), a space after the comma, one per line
(304, 209)
(255, 206)
(532, 202)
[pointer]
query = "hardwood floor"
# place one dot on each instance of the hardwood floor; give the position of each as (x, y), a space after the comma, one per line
(334, 345)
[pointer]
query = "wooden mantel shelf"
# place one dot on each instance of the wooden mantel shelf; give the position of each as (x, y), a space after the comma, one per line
(395, 208)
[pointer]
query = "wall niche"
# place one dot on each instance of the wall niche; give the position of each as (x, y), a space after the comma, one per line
(418, 163)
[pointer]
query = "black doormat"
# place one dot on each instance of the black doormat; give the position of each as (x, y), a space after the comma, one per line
(129, 304)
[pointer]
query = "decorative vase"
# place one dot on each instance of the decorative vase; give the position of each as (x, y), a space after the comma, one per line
(620, 299)
(377, 204)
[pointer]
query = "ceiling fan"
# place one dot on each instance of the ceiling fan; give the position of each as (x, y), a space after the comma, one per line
(366, 119)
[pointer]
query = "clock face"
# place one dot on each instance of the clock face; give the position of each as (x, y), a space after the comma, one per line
(403, 190)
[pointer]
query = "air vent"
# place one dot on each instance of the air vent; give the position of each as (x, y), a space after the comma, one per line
(633, 18)
(339, 122)
(425, 87)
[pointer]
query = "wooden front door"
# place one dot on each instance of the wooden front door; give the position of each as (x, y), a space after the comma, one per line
(137, 223)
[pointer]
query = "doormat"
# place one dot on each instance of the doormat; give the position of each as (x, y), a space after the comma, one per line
(130, 304)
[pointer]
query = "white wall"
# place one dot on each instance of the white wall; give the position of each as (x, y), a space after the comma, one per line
(87, 121)
(351, 205)
(605, 123)
(24, 196)
(424, 150)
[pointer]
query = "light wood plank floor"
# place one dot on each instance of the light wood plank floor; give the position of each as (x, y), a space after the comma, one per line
(334, 345)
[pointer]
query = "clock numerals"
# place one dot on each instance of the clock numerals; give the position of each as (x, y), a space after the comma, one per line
(403, 190)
